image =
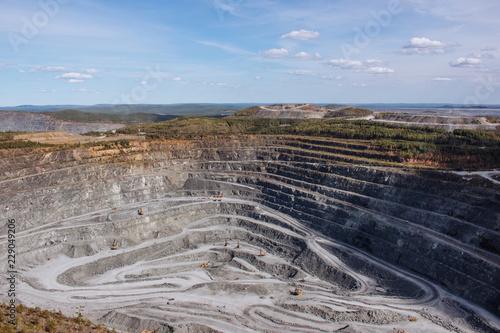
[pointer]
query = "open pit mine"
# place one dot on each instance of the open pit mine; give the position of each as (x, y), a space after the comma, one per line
(250, 234)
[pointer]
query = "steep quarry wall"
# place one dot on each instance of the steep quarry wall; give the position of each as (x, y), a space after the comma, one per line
(369, 246)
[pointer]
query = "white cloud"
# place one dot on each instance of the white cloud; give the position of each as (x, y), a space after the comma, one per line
(86, 90)
(275, 53)
(304, 72)
(44, 90)
(258, 78)
(358, 84)
(225, 84)
(331, 78)
(176, 79)
(143, 83)
(42, 69)
(481, 55)
(422, 45)
(45, 69)
(74, 75)
(380, 70)
(90, 70)
(442, 79)
(301, 35)
(21, 71)
(374, 62)
(307, 56)
(75, 81)
(302, 55)
(466, 62)
(345, 64)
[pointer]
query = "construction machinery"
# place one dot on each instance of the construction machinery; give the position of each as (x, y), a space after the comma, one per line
(226, 243)
(114, 208)
(261, 253)
(217, 197)
(204, 265)
(141, 212)
(413, 319)
(297, 292)
(238, 246)
(114, 246)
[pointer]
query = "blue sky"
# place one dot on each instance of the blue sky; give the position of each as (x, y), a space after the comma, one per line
(216, 51)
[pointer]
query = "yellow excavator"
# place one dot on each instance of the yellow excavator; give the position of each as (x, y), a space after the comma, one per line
(141, 212)
(261, 253)
(205, 264)
(114, 246)
(297, 291)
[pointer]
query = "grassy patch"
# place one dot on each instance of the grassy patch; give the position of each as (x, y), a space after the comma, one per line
(14, 144)
(247, 113)
(38, 320)
(348, 112)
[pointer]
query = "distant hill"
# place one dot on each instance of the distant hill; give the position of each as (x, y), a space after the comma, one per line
(73, 121)
(207, 110)
(89, 117)
(40, 108)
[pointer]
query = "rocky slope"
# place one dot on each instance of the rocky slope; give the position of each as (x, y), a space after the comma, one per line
(370, 247)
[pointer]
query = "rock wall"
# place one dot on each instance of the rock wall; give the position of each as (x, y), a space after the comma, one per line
(445, 232)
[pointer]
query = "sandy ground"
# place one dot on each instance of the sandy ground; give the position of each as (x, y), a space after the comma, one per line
(161, 280)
